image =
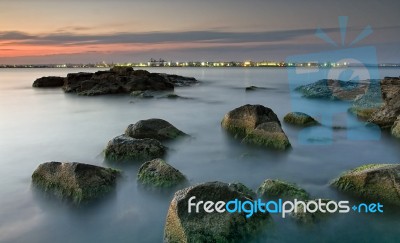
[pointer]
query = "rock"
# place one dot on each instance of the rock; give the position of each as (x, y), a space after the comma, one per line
(254, 88)
(311, 218)
(268, 134)
(376, 182)
(124, 148)
(396, 128)
(143, 94)
(122, 80)
(182, 226)
(75, 181)
(48, 82)
(153, 128)
(300, 119)
(335, 89)
(281, 189)
(179, 81)
(364, 106)
(388, 113)
(122, 70)
(157, 173)
(257, 125)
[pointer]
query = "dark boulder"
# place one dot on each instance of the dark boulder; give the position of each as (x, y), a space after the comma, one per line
(159, 174)
(153, 128)
(124, 148)
(75, 181)
(256, 124)
(49, 82)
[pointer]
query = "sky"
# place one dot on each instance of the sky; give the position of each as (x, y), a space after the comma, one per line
(90, 31)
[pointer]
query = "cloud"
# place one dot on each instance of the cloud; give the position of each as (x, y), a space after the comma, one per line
(213, 36)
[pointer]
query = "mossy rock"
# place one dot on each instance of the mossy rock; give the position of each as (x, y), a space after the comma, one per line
(76, 182)
(269, 135)
(300, 119)
(158, 173)
(281, 189)
(153, 128)
(256, 124)
(375, 182)
(124, 148)
(182, 226)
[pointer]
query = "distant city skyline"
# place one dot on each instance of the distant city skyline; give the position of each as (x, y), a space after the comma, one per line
(87, 31)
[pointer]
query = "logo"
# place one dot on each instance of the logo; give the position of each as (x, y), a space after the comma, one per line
(356, 66)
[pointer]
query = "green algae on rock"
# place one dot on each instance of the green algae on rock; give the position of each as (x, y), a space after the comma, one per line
(158, 173)
(257, 125)
(300, 119)
(378, 182)
(74, 181)
(281, 189)
(182, 226)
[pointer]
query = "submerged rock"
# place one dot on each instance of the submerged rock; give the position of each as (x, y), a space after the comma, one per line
(158, 173)
(153, 128)
(75, 181)
(377, 182)
(257, 125)
(281, 189)
(48, 82)
(300, 119)
(124, 148)
(182, 226)
(388, 113)
(335, 89)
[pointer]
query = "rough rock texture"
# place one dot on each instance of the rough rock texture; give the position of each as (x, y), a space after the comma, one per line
(182, 226)
(281, 189)
(118, 80)
(124, 148)
(336, 89)
(75, 181)
(396, 128)
(310, 218)
(364, 106)
(153, 128)
(377, 182)
(158, 173)
(300, 119)
(257, 125)
(388, 113)
(48, 82)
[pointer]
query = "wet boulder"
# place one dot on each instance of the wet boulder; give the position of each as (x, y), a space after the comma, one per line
(376, 182)
(256, 124)
(76, 182)
(300, 119)
(48, 82)
(184, 226)
(396, 128)
(159, 174)
(307, 218)
(124, 148)
(153, 128)
(281, 189)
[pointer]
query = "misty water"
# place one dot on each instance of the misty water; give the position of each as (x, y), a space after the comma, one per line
(40, 125)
